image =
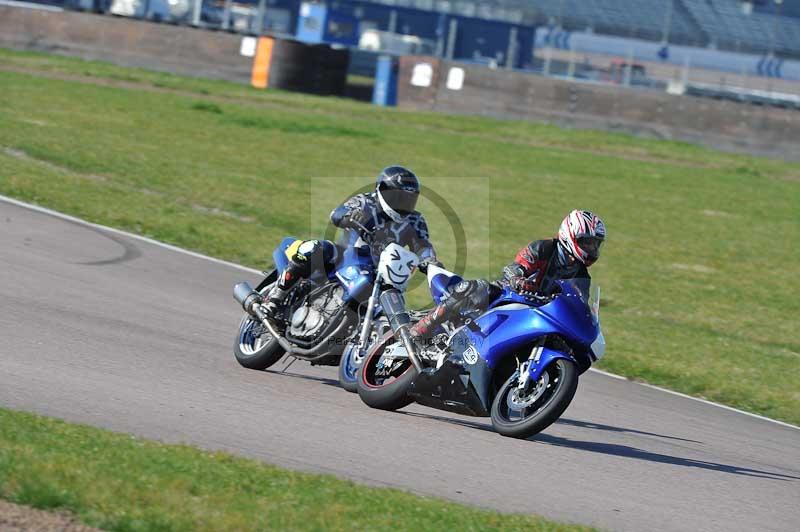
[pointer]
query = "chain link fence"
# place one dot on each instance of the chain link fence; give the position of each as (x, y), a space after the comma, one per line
(747, 78)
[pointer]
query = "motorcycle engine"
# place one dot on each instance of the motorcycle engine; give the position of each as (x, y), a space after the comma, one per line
(312, 317)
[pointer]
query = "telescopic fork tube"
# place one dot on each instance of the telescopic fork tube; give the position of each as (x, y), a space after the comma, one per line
(364, 337)
(395, 309)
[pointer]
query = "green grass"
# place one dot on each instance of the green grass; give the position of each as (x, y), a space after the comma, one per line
(699, 273)
(119, 482)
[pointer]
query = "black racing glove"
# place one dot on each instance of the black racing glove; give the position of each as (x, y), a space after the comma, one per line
(423, 265)
(359, 220)
(524, 287)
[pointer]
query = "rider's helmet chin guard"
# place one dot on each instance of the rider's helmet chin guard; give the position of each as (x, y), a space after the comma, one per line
(582, 234)
(398, 190)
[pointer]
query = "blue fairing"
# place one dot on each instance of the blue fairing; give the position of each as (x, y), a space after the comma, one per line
(573, 315)
(466, 378)
(508, 297)
(356, 273)
(441, 284)
(544, 359)
(513, 322)
(506, 329)
(354, 269)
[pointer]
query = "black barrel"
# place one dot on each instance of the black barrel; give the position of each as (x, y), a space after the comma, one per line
(311, 68)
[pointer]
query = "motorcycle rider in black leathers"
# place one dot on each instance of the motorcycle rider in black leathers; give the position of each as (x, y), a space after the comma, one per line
(381, 217)
(534, 271)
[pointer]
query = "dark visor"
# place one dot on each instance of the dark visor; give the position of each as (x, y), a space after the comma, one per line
(590, 244)
(403, 201)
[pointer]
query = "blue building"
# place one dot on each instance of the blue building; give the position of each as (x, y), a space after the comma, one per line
(402, 30)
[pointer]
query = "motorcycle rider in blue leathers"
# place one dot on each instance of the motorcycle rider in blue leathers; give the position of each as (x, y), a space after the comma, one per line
(381, 217)
(534, 271)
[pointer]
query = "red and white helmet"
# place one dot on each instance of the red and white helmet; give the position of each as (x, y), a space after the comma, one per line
(582, 233)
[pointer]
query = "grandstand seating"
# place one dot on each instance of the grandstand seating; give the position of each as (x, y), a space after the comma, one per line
(728, 27)
(719, 23)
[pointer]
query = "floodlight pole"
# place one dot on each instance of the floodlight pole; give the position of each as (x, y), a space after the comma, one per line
(773, 35)
(571, 68)
(226, 16)
(513, 48)
(452, 33)
(197, 7)
(668, 21)
(259, 29)
(548, 56)
(628, 68)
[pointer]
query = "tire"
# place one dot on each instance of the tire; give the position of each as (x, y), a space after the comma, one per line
(545, 410)
(249, 352)
(251, 355)
(350, 363)
(377, 394)
(349, 369)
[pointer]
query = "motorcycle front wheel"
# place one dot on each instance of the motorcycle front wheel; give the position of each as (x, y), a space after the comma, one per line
(383, 383)
(349, 366)
(522, 413)
(353, 356)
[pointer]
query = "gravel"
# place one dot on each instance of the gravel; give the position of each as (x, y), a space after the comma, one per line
(17, 518)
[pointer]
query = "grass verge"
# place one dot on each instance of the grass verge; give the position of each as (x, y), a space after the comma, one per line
(699, 275)
(119, 482)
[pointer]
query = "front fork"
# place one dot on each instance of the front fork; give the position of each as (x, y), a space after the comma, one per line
(524, 368)
(363, 338)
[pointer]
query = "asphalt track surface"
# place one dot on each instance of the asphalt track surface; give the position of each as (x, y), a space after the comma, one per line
(105, 329)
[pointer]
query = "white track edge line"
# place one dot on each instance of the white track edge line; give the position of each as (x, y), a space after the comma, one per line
(80, 221)
(177, 249)
(698, 399)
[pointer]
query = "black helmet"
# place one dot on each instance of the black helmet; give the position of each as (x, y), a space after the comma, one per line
(398, 190)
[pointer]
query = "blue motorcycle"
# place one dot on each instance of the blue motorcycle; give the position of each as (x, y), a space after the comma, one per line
(517, 362)
(327, 314)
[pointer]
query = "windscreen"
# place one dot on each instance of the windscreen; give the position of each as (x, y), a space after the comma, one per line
(587, 290)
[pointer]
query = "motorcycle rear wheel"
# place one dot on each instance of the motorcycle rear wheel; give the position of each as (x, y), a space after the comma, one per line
(253, 350)
(511, 414)
(385, 392)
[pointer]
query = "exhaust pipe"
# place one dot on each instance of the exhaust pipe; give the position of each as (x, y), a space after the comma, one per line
(247, 297)
(394, 308)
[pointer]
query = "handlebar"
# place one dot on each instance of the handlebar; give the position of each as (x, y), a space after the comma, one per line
(537, 298)
(423, 266)
(363, 232)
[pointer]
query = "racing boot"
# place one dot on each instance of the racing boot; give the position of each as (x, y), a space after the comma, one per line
(301, 254)
(422, 331)
(274, 308)
(275, 305)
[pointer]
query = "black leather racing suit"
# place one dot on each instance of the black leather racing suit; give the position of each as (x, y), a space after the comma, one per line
(306, 257)
(410, 230)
